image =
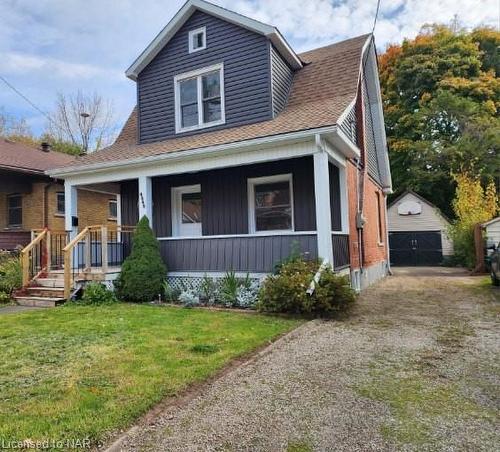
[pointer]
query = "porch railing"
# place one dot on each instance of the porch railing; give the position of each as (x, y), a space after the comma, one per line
(89, 255)
(93, 251)
(340, 245)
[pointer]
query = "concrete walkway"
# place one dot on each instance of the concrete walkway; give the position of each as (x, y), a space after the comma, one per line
(414, 368)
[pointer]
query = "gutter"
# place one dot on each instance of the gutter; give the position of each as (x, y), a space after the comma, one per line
(333, 133)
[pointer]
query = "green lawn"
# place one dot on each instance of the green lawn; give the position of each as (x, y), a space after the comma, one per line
(83, 372)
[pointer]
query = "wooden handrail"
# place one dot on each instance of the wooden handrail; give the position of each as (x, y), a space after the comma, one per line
(35, 241)
(75, 240)
(25, 256)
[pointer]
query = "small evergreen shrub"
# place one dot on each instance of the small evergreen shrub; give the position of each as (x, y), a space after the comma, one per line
(143, 272)
(96, 293)
(229, 289)
(286, 292)
(11, 277)
(209, 290)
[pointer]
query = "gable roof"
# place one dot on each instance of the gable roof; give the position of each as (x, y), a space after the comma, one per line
(27, 159)
(490, 222)
(183, 15)
(421, 198)
(321, 92)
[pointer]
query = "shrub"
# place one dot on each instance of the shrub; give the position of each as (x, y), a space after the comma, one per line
(11, 277)
(189, 298)
(229, 289)
(170, 293)
(247, 295)
(96, 293)
(287, 291)
(208, 290)
(143, 272)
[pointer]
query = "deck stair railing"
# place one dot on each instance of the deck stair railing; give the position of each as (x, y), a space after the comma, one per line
(92, 251)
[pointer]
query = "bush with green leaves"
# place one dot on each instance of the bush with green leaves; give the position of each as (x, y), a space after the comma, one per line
(95, 293)
(286, 292)
(11, 277)
(143, 272)
(189, 298)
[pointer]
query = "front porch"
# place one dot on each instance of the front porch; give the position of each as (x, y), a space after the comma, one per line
(242, 209)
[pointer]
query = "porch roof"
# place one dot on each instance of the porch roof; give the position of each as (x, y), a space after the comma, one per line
(321, 92)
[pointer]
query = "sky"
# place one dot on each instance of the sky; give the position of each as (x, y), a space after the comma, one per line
(51, 46)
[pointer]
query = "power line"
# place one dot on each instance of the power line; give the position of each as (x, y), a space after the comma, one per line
(376, 16)
(25, 98)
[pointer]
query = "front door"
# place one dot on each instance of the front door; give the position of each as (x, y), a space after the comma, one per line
(416, 248)
(186, 211)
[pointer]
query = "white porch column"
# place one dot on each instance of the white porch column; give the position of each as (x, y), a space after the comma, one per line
(70, 208)
(323, 213)
(146, 199)
(344, 199)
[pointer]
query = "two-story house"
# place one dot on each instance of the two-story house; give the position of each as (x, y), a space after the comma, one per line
(240, 149)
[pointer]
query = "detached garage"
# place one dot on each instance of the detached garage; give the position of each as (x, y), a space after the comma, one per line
(417, 232)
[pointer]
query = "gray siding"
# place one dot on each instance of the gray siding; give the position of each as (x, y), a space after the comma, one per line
(282, 77)
(224, 196)
(349, 125)
(245, 55)
(246, 254)
(129, 202)
(370, 143)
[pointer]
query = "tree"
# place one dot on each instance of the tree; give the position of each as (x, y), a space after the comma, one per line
(441, 98)
(472, 205)
(82, 120)
(143, 272)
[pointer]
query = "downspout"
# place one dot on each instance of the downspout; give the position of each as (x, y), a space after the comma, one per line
(388, 249)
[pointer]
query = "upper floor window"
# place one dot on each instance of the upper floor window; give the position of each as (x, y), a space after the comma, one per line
(197, 39)
(15, 210)
(199, 98)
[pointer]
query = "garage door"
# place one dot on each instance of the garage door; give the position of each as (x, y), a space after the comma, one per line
(416, 248)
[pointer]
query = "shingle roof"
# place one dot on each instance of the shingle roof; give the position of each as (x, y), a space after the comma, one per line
(320, 93)
(17, 156)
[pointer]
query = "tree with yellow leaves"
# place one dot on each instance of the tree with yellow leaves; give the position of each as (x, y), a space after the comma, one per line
(472, 205)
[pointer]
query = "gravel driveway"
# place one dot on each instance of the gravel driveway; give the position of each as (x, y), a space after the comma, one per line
(415, 367)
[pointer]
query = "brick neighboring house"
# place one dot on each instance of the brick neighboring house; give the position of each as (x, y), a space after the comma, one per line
(239, 148)
(29, 199)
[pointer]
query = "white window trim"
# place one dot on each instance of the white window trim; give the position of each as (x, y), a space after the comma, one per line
(197, 74)
(251, 183)
(202, 30)
(176, 208)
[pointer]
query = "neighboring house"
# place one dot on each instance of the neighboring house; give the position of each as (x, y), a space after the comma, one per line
(240, 149)
(29, 199)
(492, 231)
(418, 231)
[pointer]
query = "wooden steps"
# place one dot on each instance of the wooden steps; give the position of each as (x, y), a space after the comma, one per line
(45, 291)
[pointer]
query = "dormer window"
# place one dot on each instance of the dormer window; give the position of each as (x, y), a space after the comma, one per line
(197, 39)
(199, 98)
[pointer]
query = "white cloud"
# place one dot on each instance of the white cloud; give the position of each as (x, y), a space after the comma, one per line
(48, 46)
(15, 63)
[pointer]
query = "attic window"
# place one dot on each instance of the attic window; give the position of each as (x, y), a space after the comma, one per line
(197, 39)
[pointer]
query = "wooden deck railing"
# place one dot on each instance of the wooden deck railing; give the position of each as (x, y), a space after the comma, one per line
(87, 256)
(90, 254)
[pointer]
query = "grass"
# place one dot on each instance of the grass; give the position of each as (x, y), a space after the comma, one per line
(85, 372)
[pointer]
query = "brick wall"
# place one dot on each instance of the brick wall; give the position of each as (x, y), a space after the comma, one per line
(92, 208)
(373, 250)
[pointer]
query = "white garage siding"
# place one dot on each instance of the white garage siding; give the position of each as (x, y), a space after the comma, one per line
(430, 219)
(492, 231)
